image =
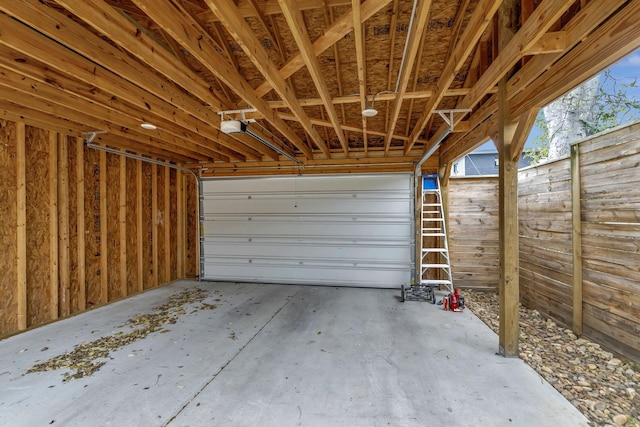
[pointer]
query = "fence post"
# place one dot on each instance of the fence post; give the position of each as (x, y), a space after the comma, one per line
(576, 227)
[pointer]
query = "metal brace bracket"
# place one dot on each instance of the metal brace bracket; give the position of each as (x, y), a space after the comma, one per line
(90, 136)
(241, 112)
(449, 119)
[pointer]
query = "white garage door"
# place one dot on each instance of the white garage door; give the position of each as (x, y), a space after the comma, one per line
(354, 230)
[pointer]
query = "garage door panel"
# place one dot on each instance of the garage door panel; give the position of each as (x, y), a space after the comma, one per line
(315, 250)
(354, 230)
(302, 206)
(366, 275)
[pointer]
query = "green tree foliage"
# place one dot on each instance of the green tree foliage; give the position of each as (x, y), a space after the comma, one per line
(614, 105)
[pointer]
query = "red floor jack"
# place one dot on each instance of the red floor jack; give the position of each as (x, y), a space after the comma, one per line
(454, 301)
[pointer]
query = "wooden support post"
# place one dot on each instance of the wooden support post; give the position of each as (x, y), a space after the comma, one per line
(508, 189)
(508, 212)
(21, 227)
(180, 235)
(444, 170)
(104, 284)
(54, 297)
(576, 229)
(154, 223)
(139, 220)
(199, 228)
(167, 226)
(63, 224)
(122, 219)
(82, 285)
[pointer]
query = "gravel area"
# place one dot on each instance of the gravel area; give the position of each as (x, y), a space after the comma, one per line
(603, 387)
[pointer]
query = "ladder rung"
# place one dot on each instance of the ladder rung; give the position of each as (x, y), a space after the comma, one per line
(432, 204)
(433, 219)
(433, 234)
(435, 265)
(435, 282)
(432, 250)
(430, 212)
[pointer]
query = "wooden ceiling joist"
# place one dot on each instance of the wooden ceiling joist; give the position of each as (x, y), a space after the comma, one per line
(299, 32)
(115, 64)
(485, 10)
(411, 48)
(340, 28)
(244, 36)
(577, 29)
(585, 60)
(186, 30)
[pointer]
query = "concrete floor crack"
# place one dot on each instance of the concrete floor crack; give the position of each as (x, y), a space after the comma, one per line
(215, 375)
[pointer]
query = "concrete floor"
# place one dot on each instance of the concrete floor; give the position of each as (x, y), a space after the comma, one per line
(281, 355)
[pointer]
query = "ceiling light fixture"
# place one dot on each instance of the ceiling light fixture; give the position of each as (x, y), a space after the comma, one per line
(370, 110)
(148, 126)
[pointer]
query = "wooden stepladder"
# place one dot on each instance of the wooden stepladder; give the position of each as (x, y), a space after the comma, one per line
(434, 262)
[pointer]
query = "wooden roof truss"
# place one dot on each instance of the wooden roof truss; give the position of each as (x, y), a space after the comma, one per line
(307, 67)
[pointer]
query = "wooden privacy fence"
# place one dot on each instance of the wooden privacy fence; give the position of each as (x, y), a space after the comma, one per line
(579, 233)
(81, 227)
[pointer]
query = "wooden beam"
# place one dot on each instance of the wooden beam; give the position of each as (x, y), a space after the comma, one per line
(545, 15)
(54, 280)
(167, 226)
(522, 132)
(64, 266)
(21, 227)
(295, 20)
(246, 38)
(183, 27)
(392, 53)
(43, 120)
(461, 145)
(360, 64)
(122, 219)
(125, 34)
(353, 99)
(51, 100)
(356, 129)
(80, 244)
(419, 24)
(484, 11)
(139, 225)
(271, 7)
(104, 247)
(157, 104)
(340, 28)
(554, 42)
(154, 224)
(609, 43)
(576, 239)
(262, 19)
(583, 23)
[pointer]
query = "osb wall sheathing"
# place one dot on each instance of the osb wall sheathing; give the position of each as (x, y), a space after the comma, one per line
(113, 227)
(8, 218)
(173, 220)
(132, 226)
(162, 224)
(54, 181)
(75, 295)
(191, 267)
(38, 224)
(92, 225)
(147, 221)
